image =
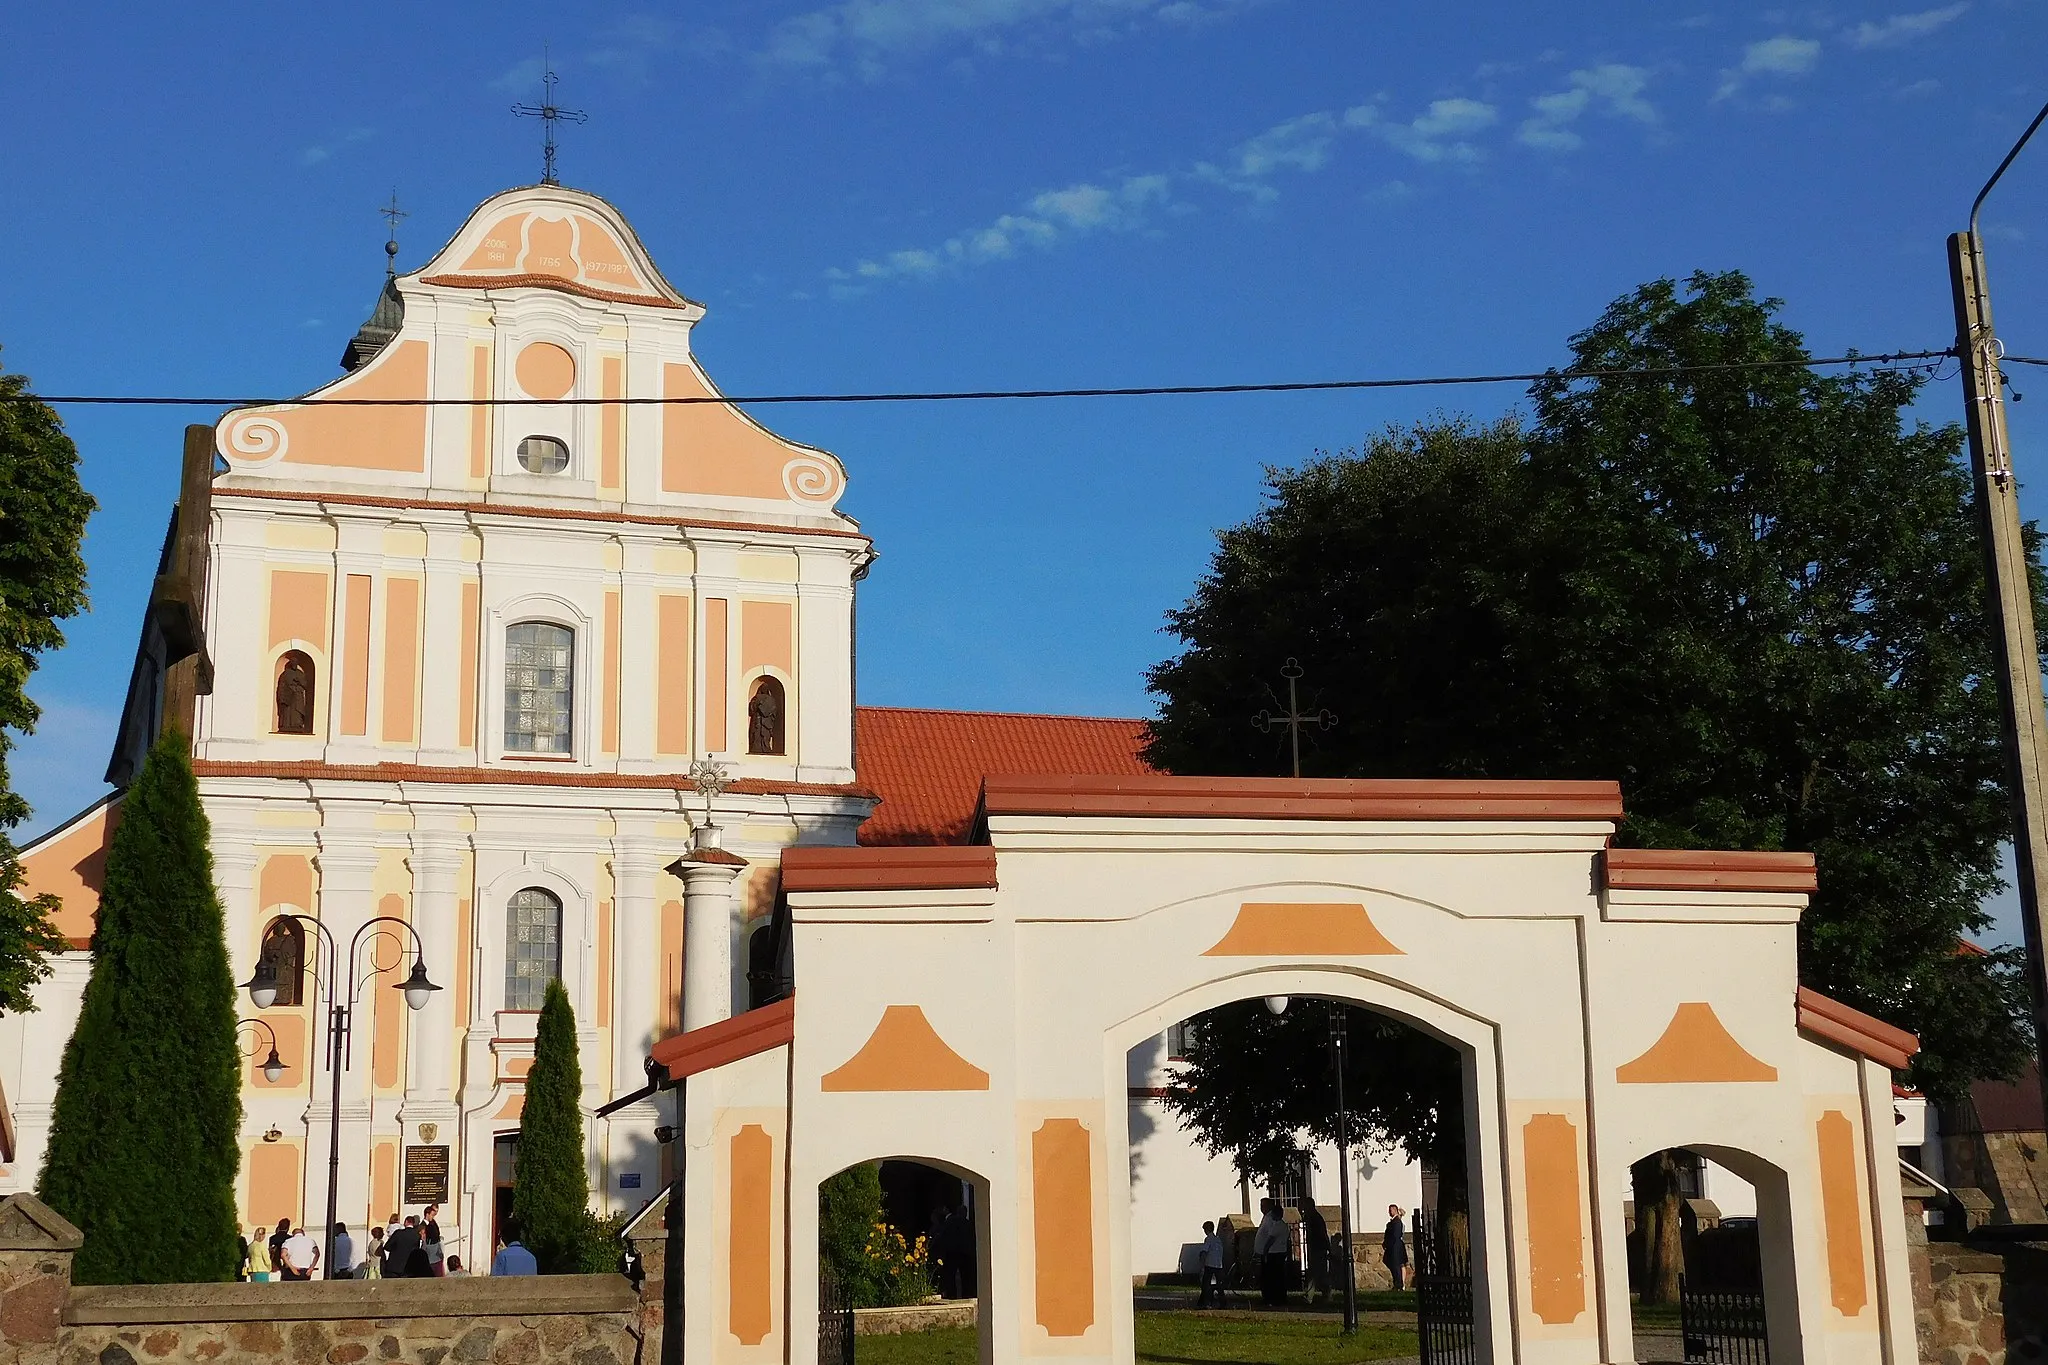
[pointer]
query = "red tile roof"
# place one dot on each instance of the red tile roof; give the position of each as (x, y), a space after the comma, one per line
(927, 766)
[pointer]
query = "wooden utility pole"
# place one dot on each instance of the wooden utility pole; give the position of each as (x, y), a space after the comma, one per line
(2012, 598)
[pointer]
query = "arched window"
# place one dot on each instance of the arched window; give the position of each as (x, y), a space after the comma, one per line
(533, 947)
(294, 694)
(284, 948)
(766, 714)
(538, 657)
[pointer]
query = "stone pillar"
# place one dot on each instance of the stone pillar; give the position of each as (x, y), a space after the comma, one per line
(707, 874)
(36, 1246)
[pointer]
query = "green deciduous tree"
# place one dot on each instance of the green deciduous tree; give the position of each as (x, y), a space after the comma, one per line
(1752, 594)
(1252, 1086)
(43, 509)
(145, 1134)
(550, 1181)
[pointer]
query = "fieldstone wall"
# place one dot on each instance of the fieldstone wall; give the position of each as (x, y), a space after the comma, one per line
(550, 1320)
(1978, 1301)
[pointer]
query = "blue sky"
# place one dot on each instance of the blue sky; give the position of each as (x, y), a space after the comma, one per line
(919, 194)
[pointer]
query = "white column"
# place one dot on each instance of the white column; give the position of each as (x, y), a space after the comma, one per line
(822, 727)
(707, 875)
(436, 862)
(636, 952)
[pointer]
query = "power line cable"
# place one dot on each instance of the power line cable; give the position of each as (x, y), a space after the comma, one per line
(959, 395)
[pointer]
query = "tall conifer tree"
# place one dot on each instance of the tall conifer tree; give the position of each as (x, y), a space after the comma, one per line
(144, 1141)
(550, 1183)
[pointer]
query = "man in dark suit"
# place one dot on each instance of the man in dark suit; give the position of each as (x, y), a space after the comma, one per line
(401, 1249)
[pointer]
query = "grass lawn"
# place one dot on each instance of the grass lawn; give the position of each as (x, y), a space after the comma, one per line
(1179, 1339)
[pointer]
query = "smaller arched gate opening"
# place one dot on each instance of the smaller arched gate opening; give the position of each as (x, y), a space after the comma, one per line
(903, 1232)
(1711, 1265)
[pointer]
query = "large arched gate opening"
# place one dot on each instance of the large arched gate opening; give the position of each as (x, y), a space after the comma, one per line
(1471, 1039)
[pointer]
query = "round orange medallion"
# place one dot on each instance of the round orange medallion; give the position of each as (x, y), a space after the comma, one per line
(545, 370)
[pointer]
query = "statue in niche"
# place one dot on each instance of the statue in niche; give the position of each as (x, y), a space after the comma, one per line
(764, 718)
(295, 695)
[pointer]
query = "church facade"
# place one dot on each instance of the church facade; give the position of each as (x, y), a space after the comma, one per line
(463, 657)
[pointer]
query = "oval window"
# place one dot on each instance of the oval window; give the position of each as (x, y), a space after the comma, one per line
(543, 455)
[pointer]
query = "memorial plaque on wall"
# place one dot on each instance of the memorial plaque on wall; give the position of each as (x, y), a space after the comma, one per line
(426, 1175)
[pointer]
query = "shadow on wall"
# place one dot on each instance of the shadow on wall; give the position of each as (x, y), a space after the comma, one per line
(1143, 1062)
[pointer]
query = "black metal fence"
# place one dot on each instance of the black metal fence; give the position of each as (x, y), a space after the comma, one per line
(835, 1323)
(1723, 1326)
(1442, 1262)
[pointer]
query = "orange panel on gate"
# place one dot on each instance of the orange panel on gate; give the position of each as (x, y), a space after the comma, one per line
(1841, 1213)
(273, 1183)
(1557, 1248)
(1063, 1227)
(750, 1305)
(1312, 930)
(401, 657)
(716, 662)
(355, 657)
(905, 1053)
(1694, 1048)
(672, 675)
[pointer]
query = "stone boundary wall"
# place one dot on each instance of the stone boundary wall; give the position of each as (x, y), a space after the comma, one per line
(542, 1320)
(1979, 1301)
(915, 1317)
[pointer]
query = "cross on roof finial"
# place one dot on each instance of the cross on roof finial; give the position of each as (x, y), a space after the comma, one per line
(549, 114)
(392, 213)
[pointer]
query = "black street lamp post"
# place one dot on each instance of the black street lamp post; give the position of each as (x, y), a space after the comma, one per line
(273, 1065)
(262, 986)
(1339, 1035)
(1277, 1005)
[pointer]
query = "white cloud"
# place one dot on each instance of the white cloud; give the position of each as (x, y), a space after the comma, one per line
(1052, 215)
(314, 155)
(1904, 28)
(1783, 55)
(520, 78)
(1299, 144)
(1617, 90)
(1441, 132)
(868, 33)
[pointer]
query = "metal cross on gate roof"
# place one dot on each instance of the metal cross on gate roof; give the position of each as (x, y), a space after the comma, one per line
(1294, 718)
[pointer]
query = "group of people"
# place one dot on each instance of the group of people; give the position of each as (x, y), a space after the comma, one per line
(1273, 1250)
(411, 1249)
